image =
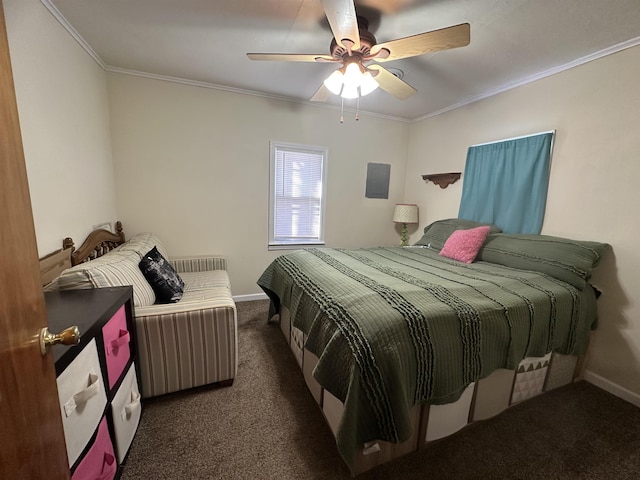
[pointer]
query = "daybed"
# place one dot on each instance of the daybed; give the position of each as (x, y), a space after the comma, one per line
(185, 344)
(401, 346)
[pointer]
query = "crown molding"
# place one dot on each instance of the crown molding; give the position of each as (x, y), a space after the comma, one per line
(538, 76)
(92, 53)
(72, 31)
(504, 88)
(253, 93)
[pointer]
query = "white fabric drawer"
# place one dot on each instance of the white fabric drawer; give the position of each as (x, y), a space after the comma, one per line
(447, 419)
(82, 400)
(126, 409)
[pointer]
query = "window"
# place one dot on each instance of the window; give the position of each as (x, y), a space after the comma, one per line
(296, 203)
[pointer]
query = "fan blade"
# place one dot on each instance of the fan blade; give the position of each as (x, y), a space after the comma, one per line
(387, 6)
(292, 57)
(392, 84)
(443, 39)
(321, 95)
(343, 21)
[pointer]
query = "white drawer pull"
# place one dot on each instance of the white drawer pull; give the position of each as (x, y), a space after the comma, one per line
(83, 396)
(131, 407)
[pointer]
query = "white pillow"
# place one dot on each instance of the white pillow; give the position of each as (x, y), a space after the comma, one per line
(116, 268)
(142, 243)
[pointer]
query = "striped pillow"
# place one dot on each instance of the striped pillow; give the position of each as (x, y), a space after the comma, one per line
(437, 233)
(142, 243)
(114, 269)
(570, 261)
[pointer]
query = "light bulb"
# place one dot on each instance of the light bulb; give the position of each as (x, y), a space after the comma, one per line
(352, 76)
(334, 82)
(368, 84)
(349, 91)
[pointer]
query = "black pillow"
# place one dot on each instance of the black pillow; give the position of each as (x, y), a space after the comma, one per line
(164, 280)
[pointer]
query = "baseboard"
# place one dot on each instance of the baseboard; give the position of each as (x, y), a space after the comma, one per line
(250, 297)
(612, 388)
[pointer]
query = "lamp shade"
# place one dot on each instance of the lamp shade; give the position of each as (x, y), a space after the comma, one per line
(405, 213)
(368, 84)
(351, 81)
(352, 76)
(349, 91)
(334, 82)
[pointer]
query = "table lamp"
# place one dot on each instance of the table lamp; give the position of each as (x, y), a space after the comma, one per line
(405, 213)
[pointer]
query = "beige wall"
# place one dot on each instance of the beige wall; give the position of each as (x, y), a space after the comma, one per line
(192, 164)
(63, 108)
(593, 192)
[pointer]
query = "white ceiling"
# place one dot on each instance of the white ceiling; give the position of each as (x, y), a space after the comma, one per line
(206, 41)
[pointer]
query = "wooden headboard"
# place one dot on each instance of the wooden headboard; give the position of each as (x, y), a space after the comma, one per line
(52, 265)
(98, 243)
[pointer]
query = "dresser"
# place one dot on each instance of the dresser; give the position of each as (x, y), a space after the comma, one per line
(97, 382)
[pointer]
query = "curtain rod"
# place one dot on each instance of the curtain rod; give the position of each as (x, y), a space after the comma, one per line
(514, 138)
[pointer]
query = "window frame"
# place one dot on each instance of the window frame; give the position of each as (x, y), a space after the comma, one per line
(274, 147)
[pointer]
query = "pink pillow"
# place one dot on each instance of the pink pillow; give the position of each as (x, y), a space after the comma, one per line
(463, 245)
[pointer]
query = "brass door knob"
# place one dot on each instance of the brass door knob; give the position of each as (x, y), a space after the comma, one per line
(69, 336)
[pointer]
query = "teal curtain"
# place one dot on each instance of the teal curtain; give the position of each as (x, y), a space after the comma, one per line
(505, 183)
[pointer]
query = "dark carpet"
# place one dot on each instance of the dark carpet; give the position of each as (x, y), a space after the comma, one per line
(267, 426)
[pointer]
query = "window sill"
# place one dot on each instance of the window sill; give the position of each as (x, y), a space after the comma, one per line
(293, 246)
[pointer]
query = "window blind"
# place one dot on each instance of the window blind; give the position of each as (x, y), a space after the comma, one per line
(297, 182)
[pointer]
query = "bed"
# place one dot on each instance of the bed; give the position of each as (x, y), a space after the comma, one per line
(401, 346)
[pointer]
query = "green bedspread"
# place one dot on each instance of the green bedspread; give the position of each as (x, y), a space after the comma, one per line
(395, 327)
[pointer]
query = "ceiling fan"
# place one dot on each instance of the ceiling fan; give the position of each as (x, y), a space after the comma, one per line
(354, 47)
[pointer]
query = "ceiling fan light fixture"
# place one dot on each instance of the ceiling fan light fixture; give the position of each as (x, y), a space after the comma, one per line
(350, 91)
(354, 46)
(334, 82)
(368, 84)
(352, 76)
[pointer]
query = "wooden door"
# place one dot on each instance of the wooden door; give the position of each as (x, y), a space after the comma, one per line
(31, 439)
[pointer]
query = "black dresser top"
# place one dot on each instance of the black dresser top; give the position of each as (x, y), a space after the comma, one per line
(89, 309)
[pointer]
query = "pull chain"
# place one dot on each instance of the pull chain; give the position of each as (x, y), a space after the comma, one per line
(342, 109)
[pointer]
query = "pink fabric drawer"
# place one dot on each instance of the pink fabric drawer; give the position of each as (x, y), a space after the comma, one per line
(116, 338)
(100, 462)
